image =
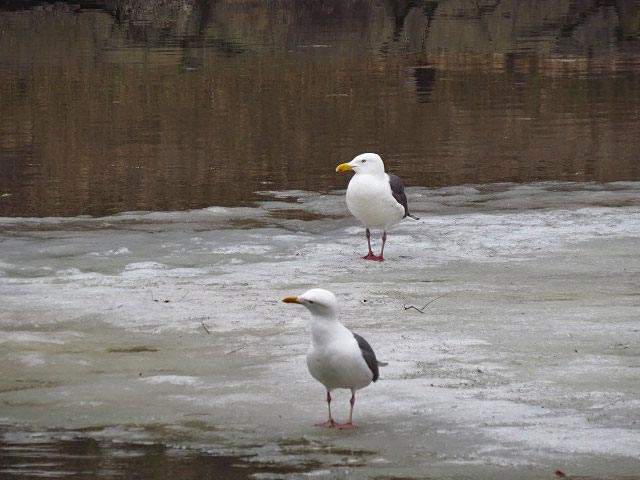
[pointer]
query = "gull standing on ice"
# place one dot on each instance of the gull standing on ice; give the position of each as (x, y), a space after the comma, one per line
(375, 198)
(337, 357)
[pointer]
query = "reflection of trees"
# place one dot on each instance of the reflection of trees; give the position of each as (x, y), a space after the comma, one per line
(408, 25)
(629, 14)
(399, 9)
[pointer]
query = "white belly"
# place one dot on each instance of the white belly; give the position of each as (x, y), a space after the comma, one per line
(337, 369)
(370, 200)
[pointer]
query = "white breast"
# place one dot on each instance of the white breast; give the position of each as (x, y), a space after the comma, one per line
(370, 200)
(339, 364)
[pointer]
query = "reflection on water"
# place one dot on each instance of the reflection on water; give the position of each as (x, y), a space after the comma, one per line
(113, 106)
(38, 455)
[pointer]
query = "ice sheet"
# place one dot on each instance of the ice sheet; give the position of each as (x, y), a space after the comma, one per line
(168, 326)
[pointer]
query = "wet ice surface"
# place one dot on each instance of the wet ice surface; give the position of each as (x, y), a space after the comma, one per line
(168, 327)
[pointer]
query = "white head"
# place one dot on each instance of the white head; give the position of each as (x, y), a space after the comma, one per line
(368, 163)
(320, 302)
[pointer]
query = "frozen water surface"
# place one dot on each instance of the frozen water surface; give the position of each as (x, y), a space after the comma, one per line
(168, 328)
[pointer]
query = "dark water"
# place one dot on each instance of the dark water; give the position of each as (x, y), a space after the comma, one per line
(40, 456)
(116, 106)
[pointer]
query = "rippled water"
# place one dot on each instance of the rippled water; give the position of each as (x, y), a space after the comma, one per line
(114, 106)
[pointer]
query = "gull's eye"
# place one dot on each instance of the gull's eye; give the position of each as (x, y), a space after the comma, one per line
(311, 301)
(363, 161)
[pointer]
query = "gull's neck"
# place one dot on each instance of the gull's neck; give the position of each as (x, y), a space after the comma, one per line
(377, 174)
(325, 329)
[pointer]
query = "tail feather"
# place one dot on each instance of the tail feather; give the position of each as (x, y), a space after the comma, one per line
(412, 216)
(382, 364)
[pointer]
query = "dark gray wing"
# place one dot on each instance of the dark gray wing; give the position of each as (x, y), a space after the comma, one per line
(368, 355)
(397, 190)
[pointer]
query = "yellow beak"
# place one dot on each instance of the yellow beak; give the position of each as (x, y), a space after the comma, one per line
(290, 300)
(343, 167)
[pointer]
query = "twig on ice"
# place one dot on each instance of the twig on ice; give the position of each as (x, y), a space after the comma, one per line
(205, 327)
(421, 310)
(236, 350)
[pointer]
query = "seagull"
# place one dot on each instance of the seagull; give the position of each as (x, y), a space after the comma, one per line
(337, 357)
(374, 197)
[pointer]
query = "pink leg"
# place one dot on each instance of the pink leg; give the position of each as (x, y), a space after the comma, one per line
(370, 255)
(329, 423)
(380, 258)
(350, 425)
